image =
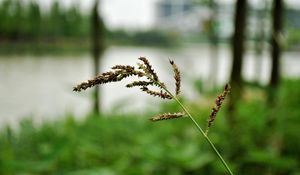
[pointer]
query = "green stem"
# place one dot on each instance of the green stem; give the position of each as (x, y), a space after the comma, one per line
(196, 124)
(201, 131)
(205, 136)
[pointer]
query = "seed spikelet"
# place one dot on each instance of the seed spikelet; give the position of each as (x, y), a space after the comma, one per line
(218, 104)
(167, 116)
(139, 83)
(161, 94)
(148, 68)
(176, 76)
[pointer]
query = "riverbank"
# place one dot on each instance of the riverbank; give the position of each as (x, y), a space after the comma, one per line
(82, 45)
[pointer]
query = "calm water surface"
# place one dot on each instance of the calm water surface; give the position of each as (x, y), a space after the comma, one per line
(41, 87)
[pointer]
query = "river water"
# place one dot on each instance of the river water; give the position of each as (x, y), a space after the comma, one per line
(41, 87)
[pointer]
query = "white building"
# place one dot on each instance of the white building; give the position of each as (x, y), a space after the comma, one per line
(180, 15)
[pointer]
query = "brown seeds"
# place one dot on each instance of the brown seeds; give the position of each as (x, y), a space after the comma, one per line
(167, 116)
(123, 67)
(161, 94)
(176, 76)
(144, 70)
(106, 77)
(148, 68)
(218, 103)
(139, 83)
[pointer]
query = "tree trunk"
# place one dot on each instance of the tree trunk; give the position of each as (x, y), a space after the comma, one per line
(97, 37)
(276, 49)
(238, 52)
(236, 79)
(276, 141)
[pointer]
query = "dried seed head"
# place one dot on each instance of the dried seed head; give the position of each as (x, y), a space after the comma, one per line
(161, 94)
(139, 83)
(218, 103)
(123, 67)
(82, 86)
(148, 68)
(99, 79)
(144, 70)
(106, 77)
(176, 76)
(167, 116)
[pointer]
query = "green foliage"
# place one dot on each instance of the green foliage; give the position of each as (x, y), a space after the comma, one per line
(144, 38)
(293, 38)
(267, 141)
(24, 27)
(115, 145)
(20, 20)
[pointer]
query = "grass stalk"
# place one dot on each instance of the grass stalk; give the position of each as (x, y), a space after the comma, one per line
(145, 70)
(201, 131)
(205, 136)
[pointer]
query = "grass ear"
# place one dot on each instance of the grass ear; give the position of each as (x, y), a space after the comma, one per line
(176, 77)
(167, 116)
(145, 70)
(218, 104)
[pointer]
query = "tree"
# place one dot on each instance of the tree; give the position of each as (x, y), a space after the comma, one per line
(238, 52)
(33, 19)
(236, 77)
(56, 21)
(5, 23)
(277, 14)
(74, 18)
(275, 139)
(17, 23)
(97, 30)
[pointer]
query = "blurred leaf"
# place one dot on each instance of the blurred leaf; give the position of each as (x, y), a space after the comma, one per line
(272, 160)
(96, 171)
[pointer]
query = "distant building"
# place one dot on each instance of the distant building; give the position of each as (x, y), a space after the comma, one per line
(186, 16)
(180, 15)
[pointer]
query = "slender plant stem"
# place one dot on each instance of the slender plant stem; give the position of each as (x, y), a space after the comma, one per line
(150, 75)
(201, 131)
(196, 124)
(205, 136)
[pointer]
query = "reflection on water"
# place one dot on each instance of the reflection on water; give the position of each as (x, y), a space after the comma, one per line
(41, 88)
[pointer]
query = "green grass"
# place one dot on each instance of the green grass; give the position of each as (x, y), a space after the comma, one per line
(116, 144)
(267, 140)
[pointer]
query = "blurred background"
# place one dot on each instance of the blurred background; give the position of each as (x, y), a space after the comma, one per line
(48, 46)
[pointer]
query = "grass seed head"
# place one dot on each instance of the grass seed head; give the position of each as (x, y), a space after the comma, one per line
(148, 68)
(123, 67)
(218, 104)
(176, 77)
(161, 94)
(145, 70)
(139, 83)
(167, 116)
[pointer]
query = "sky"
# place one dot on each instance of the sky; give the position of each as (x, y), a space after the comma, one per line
(131, 14)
